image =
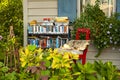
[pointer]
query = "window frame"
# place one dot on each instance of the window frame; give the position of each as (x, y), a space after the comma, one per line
(84, 3)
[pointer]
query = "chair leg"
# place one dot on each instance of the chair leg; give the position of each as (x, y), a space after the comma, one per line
(84, 56)
(84, 60)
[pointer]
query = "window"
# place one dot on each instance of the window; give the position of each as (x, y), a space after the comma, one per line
(108, 6)
(67, 8)
(73, 8)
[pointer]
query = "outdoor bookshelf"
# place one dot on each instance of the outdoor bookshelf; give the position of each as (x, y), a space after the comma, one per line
(48, 34)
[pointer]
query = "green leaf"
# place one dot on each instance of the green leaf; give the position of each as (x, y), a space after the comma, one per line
(5, 69)
(91, 77)
(80, 78)
(45, 72)
(31, 47)
(80, 66)
(1, 64)
(76, 73)
(54, 78)
(47, 63)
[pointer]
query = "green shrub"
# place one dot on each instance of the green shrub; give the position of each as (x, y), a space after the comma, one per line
(104, 30)
(11, 14)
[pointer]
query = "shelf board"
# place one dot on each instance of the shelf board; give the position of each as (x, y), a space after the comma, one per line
(47, 33)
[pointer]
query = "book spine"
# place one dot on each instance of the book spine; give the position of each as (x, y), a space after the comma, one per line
(30, 29)
(57, 42)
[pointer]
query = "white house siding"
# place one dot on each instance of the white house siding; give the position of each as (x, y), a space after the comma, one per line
(39, 9)
(107, 55)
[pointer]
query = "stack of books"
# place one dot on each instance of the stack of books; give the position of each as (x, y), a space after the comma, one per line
(47, 42)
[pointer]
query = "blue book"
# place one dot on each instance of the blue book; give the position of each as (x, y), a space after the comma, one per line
(57, 42)
(30, 29)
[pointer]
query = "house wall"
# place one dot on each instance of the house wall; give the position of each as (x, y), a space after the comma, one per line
(38, 9)
(108, 54)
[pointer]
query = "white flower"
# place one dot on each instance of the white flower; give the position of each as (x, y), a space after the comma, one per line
(115, 42)
(110, 37)
(110, 26)
(111, 41)
(105, 42)
(108, 32)
(1, 37)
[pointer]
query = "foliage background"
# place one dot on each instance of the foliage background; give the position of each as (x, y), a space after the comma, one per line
(104, 30)
(11, 14)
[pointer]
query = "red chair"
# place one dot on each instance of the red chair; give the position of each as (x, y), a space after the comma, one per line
(87, 37)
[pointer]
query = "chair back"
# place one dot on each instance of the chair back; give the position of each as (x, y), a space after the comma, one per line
(83, 30)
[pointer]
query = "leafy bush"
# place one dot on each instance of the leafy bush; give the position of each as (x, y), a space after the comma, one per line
(106, 71)
(104, 30)
(5, 74)
(59, 65)
(11, 14)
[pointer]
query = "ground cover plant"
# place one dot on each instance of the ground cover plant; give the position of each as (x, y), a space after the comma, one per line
(51, 64)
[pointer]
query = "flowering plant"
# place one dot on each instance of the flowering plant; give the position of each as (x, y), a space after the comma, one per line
(104, 30)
